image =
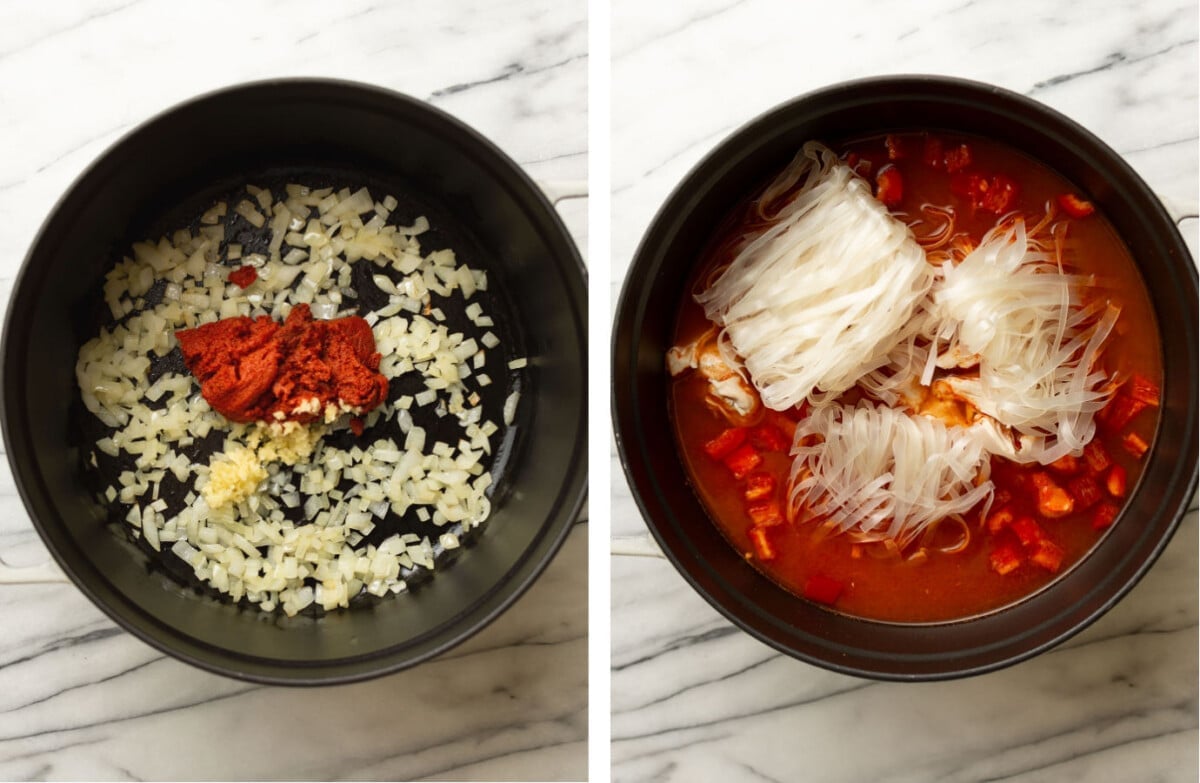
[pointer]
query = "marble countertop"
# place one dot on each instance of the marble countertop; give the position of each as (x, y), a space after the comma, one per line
(693, 698)
(82, 699)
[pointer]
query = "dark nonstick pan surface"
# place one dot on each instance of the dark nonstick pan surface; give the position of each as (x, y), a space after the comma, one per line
(314, 132)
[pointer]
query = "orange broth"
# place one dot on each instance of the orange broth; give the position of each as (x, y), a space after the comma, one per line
(937, 587)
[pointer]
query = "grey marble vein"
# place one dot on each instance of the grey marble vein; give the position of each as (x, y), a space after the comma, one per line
(1113, 60)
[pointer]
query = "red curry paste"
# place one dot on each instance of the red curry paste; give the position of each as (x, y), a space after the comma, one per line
(253, 369)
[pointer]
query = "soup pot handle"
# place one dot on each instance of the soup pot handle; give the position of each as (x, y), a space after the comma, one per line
(42, 573)
(1180, 209)
(561, 190)
(642, 545)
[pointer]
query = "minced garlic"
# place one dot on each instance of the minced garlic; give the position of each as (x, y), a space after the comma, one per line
(237, 472)
(233, 476)
(288, 442)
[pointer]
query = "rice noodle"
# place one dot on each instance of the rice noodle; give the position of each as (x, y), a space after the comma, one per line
(878, 474)
(827, 288)
(1036, 335)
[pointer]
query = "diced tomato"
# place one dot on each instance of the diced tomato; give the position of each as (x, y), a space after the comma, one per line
(1120, 411)
(763, 549)
(742, 461)
(1104, 514)
(1097, 456)
(1116, 481)
(765, 514)
(1066, 464)
(1135, 444)
(958, 158)
(1028, 531)
(1048, 555)
(723, 445)
(1005, 559)
(932, 153)
(768, 437)
(243, 276)
(823, 589)
(895, 151)
(1142, 390)
(1075, 206)
(1052, 500)
(759, 486)
(999, 195)
(356, 425)
(889, 187)
(1086, 492)
(998, 520)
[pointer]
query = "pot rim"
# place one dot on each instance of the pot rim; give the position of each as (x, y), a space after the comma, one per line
(516, 580)
(707, 172)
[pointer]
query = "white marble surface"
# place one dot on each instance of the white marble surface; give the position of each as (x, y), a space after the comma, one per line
(80, 698)
(695, 699)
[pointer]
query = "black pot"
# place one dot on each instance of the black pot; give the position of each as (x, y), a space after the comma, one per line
(642, 334)
(357, 135)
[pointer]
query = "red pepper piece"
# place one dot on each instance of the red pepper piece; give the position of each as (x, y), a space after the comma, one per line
(889, 186)
(1104, 515)
(765, 514)
(1052, 500)
(356, 426)
(1142, 390)
(1066, 464)
(1028, 531)
(1086, 492)
(895, 151)
(998, 520)
(823, 589)
(958, 158)
(932, 154)
(723, 445)
(243, 276)
(999, 195)
(1075, 206)
(1005, 559)
(742, 461)
(1120, 411)
(1135, 444)
(768, 437)
(1048, 555)
(1116, 481)
(763, 549)
(759, 486)
(1097, 456)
